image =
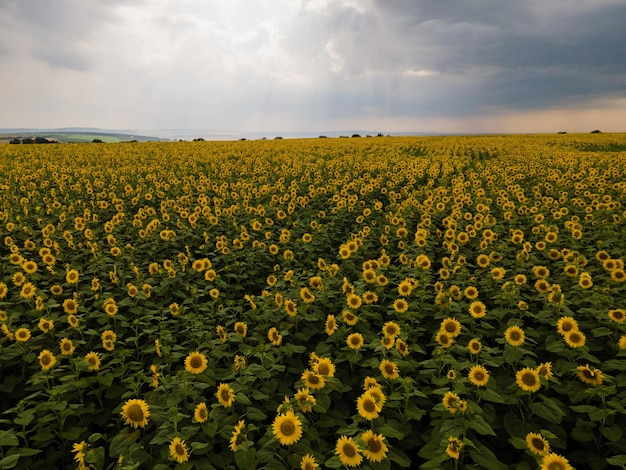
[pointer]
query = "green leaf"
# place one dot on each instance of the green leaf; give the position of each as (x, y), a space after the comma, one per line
(481, 426)
(617, 460)
(8, 438)
(10, 461)
(549, 410)
(243, 399)
(122, 441)
(490, 395)
(399, 457)
(612, 433)
(485, 458)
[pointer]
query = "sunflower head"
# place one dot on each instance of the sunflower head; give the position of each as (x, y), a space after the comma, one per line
(196, 363)
(537, 444)
(375, 449)
(178, 450)
(135, 413)
(528, 379)
(348, 451)
(478, 375)
(287, 428)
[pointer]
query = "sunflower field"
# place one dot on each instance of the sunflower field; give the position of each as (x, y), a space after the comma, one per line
(374, 303)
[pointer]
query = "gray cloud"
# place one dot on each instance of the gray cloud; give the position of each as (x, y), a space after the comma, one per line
(234, 64)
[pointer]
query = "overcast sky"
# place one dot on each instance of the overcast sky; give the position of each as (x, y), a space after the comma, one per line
(309, 65)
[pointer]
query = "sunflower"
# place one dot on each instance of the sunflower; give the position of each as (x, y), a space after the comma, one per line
(378, 395)
(274, 336)
(225, 395)
(367, 407)
(196, 363)
(405, 288)
(287, 428)
(325, 367)
(234, 444)
(451, 326)
(402, 347)
(28, 290)
(355, 341)
(375, 449)
(566, 324)
(553, 461)
(45, 325)
(482, 260)
(313, 380)
(370, 382)
(389, 369)
(201, 414)
(110, 307)
(369, 276)
(221, 333)
(71, 277)
(444, 339)
(478, 375)
(46, 359)
(178, 450)
(305, 400)
(622, 342)
(474, 346)
(498, 273)
(618, 275)
(349, 318)
(449, 401)
(537, 444)
(331, 325)
(454, 447)
(585, 281)
(528, 379)
(241, 329)
(22, 334)
(291, 308)
(589, 375)
(93, 361)
(348, 451)
(391, 329)
(400, 305)
(73, 321)
(135, 413)
(3, 290)
(477, 309)
(306, 295)
(575, 339)
(514, 336)
(542, 286)
(617, 315)
(471, 293)
(174, 309)
(70, 306)
(545, 370)
(308, 462)
(353, 301)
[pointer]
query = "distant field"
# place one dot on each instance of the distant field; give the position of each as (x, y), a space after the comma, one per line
(378, 303)
(76, 137)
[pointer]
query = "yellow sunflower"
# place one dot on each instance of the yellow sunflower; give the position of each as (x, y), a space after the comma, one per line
(135, 413)
(67, 347)
(178, 450)
(353, 301)
(575, 339)
(28, 291)
(528, 379)
(291, 308)
(46, 359)
(451, 326)
(308, 462)
(477, 309)
(514, 336)
(402, 347)
(287, 428)
(305, 400)
(93, 361)
(471, 293)
(367, 407)
(590, 375)
(375, 449)
(378, 395)
(201, 414)
(391, 329)
(554, 461)
(449, 401)
(545, 370)
(354, 341)
(400, 305)
(617, 315)
(325, 367)
(537, 444)
(454, 447)
(566, 324)
(225, 395)
(196, 363)
(71, 277)
(45, 324)
(389, 369)
(474, 346)
(313, 380)
(444, 339)
(331, 325)
(349, 318)
(478, 375)
(622, 342)
(274, 336)
(241, 329)
(234, 444)
(348, 451)
(70, 306)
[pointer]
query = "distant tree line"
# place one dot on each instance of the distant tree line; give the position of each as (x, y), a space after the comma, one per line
(30, 140)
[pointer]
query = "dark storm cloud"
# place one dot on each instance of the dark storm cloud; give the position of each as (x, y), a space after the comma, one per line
(487, 53)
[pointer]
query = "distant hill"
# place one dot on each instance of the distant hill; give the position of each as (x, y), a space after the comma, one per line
(76, 135)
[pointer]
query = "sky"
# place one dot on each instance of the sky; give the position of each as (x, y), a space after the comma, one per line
(391, 66)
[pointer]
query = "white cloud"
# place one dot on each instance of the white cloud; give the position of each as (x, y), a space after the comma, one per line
(420, 73)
